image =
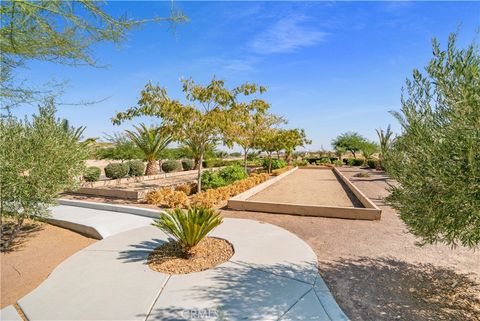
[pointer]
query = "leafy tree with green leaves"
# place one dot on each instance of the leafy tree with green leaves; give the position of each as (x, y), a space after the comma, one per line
(62, 32)
(291, 139)
(350, 141)
(201, 120)
(270, 141)
(436, 158)
(151, 141)
(38, 159)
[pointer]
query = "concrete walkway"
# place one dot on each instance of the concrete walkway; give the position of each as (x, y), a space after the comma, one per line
(272, 276)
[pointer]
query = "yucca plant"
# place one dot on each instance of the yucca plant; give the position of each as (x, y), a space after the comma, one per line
(151, 141)
(189, 227)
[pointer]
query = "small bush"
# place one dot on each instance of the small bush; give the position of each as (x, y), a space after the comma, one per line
(186, 188)
(136, 168)
(354, 162)
(372, 163)
(232, 173)
(189, 228)
(167, 197)
(338, 162)
(279, 171)
(276, 163)
(211, 179)
(325, 160)
(300, 163)
(116, 170)
(92, 174)
(170, 166)
(187, 164)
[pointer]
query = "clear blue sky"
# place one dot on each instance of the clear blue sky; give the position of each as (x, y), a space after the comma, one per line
(329, 67)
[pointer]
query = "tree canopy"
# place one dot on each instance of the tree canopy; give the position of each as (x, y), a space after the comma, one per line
(350, 141)
(436, 158)
(204, 117)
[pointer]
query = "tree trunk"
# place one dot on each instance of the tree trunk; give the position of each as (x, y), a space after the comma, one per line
(270, 163)
(199, 173)
(245, 160)
(152, 167)
(6, 245)
(354, 156)
(196, 160)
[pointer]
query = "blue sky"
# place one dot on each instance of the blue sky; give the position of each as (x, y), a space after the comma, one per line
(329, 67)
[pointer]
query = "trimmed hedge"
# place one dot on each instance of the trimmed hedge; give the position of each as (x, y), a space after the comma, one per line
(353, 161)
(136, 168)
(116, 170)
(170, 166)
(92, 174)
(187, 164)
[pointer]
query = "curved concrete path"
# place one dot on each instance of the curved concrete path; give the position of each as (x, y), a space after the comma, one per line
(272, 276)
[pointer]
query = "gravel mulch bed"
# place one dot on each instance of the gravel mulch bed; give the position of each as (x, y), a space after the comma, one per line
(169, 257)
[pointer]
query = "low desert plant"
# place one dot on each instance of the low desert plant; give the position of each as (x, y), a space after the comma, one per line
(187, 164)
(337, 162)
(302, 162)
(186, 188)
(135, 168)
(189, 227)
(168, 197)
(116, 170)
(279, 171)
(92, 174)
(372, 163)
(276, 163)
(170, 166)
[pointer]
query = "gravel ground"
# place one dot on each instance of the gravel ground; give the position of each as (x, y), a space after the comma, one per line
(311, 187)
(36, 254)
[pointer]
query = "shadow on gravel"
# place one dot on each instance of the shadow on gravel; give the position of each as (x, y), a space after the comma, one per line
(389, 289)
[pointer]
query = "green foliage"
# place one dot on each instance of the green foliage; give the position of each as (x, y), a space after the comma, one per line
(349, 141)
(61, 32)
(170, 166)
(353, 162)
(223, 177)
(337, 162)
(92, 174)
(235, 154)
(116, 170)
(372, 163)
(368, 149)
(324, 160)
(187, 164)
(302, 162)
(38, 159)
(188, 227)
(211, 179)
(436, 159)
(150, 140)
(276, 163)
(135, 168)
(210, 163)
(385, 139)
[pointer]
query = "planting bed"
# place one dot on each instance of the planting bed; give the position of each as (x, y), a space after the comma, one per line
(308, 191)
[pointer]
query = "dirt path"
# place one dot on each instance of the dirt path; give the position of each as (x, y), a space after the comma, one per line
(375, 269)
(311, 187)
(32, 261)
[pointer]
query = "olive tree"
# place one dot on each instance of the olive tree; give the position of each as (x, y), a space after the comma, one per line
(201, 120)
(38, 158)
(436, 158)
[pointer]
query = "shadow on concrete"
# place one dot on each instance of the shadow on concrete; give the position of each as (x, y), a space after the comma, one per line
(238, 292)
(389, 289)
(141, 251)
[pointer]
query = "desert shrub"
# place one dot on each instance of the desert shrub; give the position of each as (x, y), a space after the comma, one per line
(92, 174)
(232, 173)
(276, 163)
(337, 162)
(186, 188)
(170, 166)
(354, 162)
(372, 163)
(167, 197)
(187, 164)
(325, 160)
(279, 171)
(300, 163)
(188, 227)
(116, 170)
(211, 179)
(136, 168)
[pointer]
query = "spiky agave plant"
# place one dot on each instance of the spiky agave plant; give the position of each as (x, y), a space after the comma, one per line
(189, 227)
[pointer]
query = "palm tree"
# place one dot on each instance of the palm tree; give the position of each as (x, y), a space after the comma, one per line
(385, 139)
(190, 149)
(151, 141)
